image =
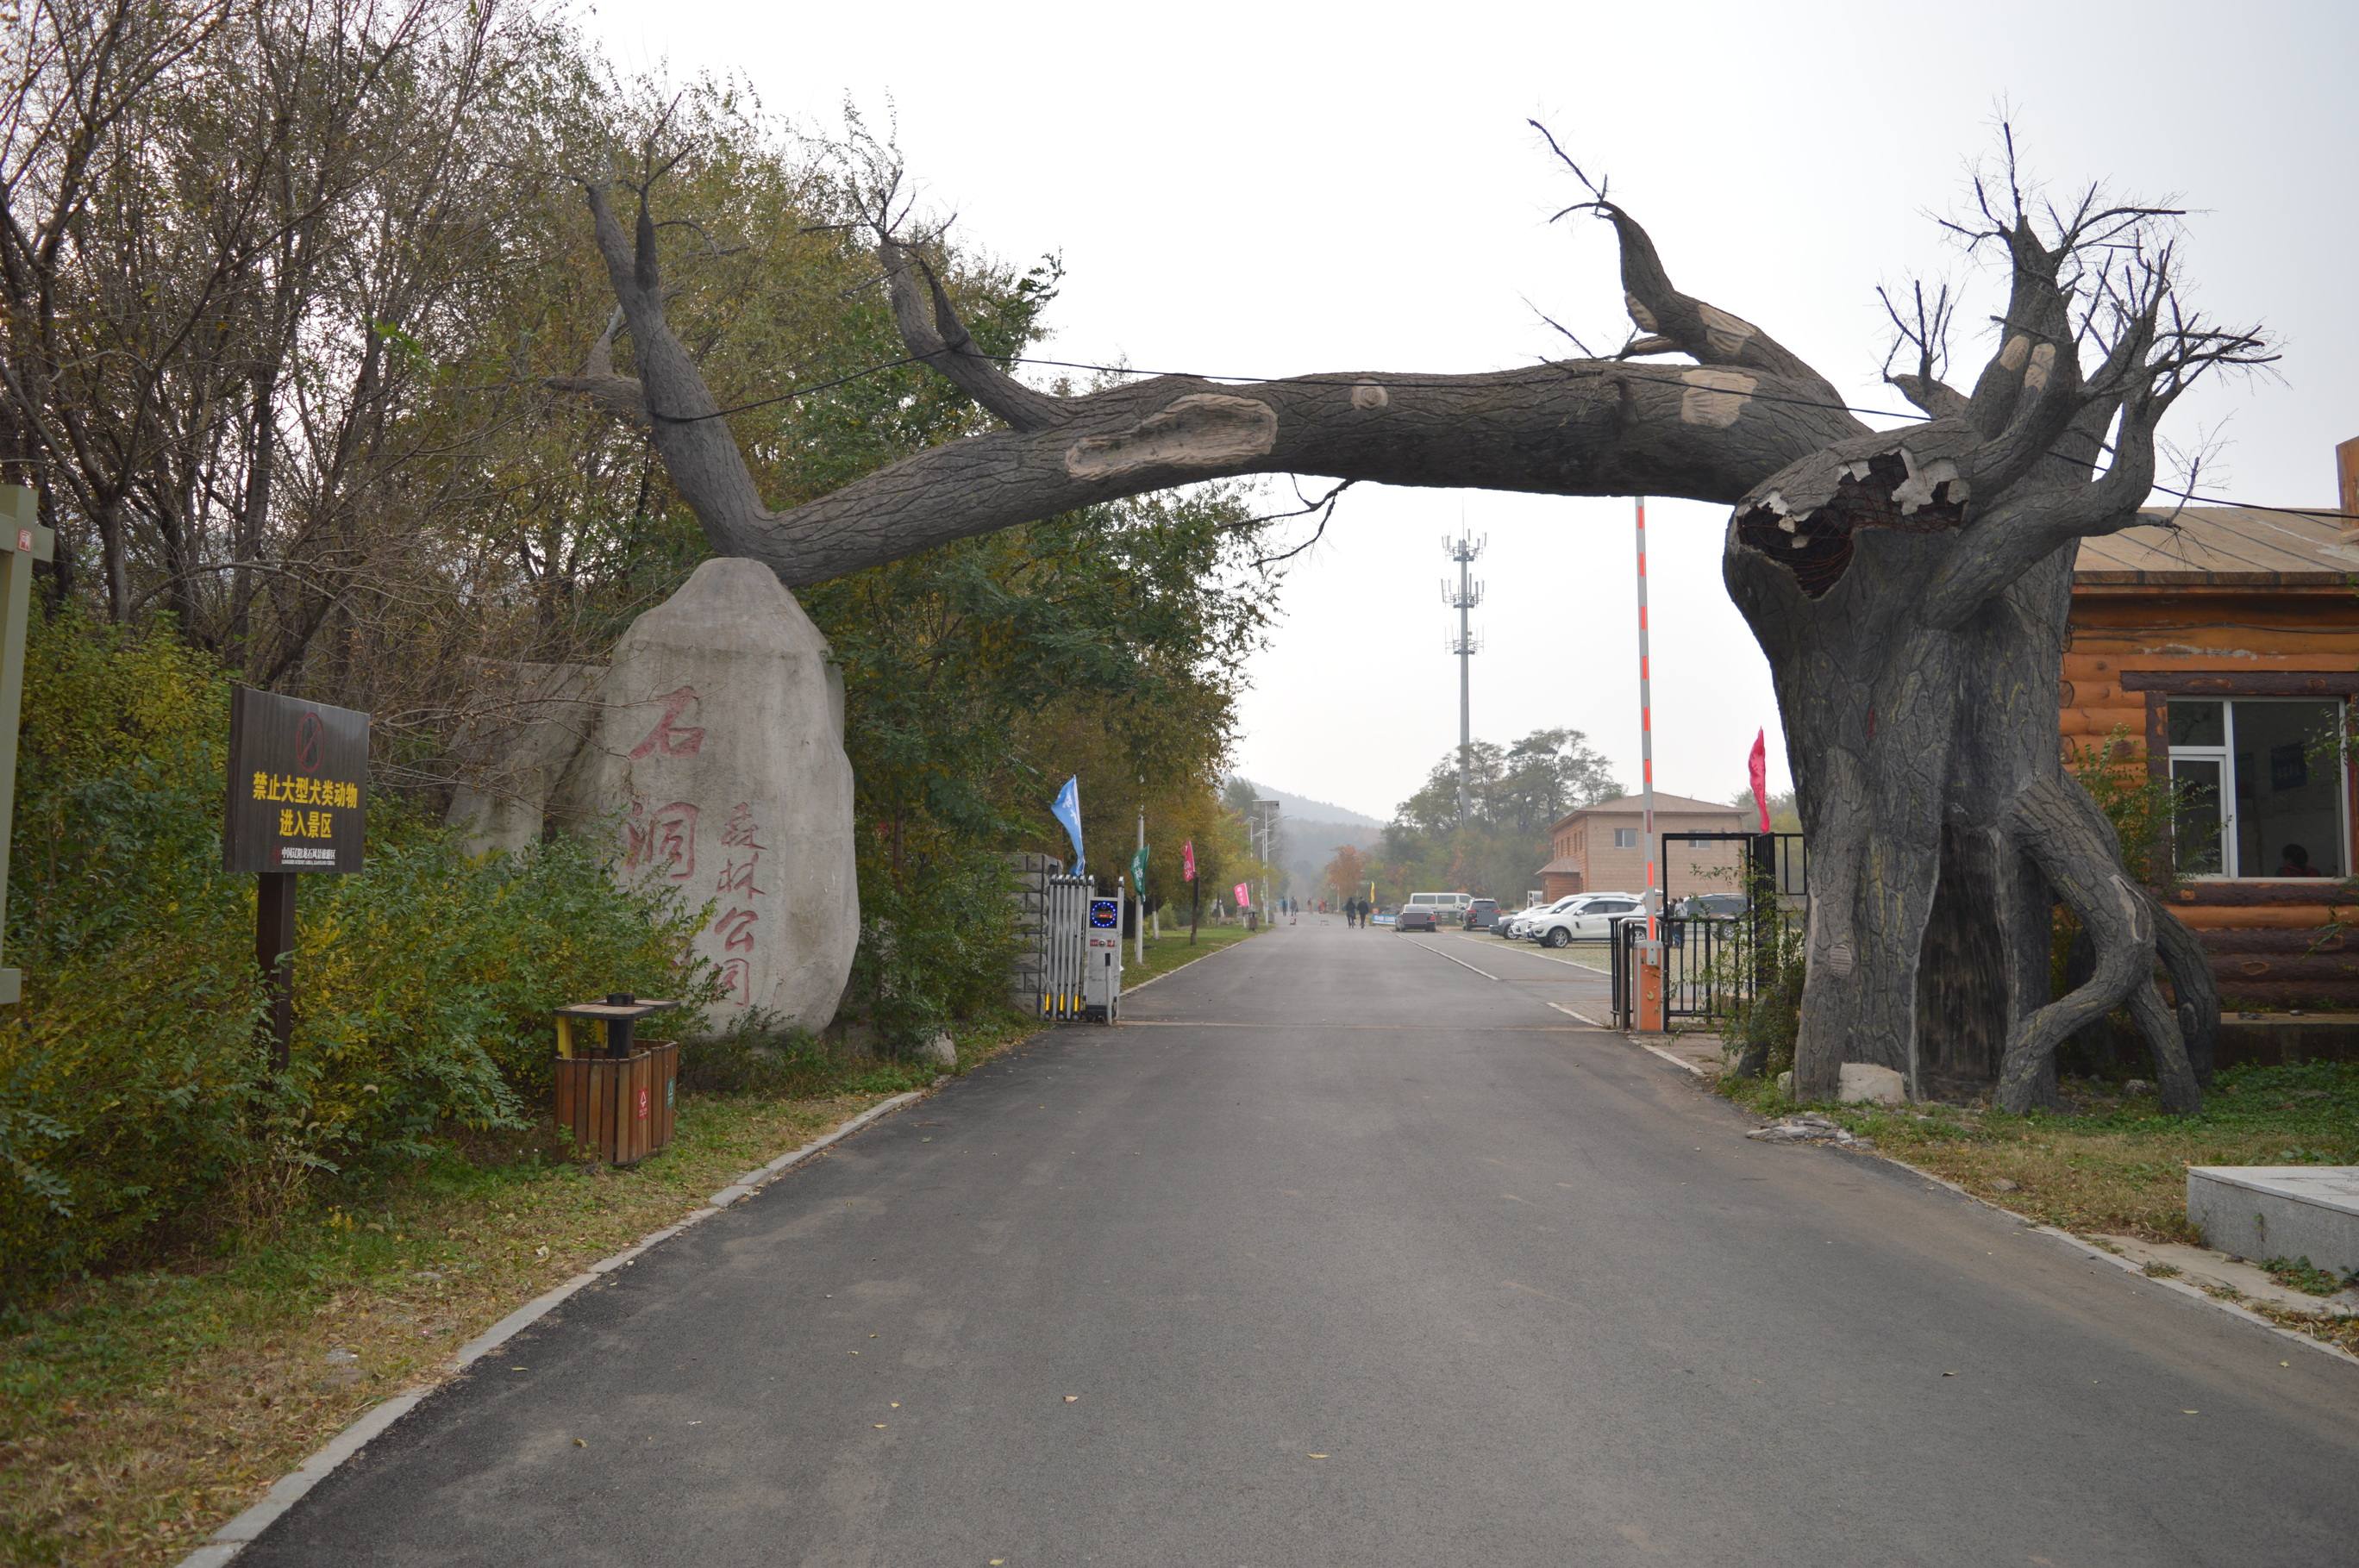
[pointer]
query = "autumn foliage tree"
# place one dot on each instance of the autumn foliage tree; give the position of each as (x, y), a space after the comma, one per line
(1347, 874)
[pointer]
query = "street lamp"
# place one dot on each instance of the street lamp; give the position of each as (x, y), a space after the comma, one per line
(1269, 810)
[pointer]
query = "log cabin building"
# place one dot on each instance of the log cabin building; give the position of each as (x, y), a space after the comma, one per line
(2225, 649)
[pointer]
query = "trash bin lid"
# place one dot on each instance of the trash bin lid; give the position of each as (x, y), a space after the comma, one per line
(612, 1009)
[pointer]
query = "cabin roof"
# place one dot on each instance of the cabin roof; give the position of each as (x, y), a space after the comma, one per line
(1665, 804)
(2224, 546)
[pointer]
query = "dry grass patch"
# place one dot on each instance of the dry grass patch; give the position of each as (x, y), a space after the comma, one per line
(2111, 1160)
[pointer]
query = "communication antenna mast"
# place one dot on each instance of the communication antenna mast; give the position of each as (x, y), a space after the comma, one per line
(1462, 598)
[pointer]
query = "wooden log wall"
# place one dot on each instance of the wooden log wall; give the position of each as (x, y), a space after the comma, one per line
(2272, 944)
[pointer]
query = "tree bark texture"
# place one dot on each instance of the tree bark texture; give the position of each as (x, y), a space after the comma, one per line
(1908, 587)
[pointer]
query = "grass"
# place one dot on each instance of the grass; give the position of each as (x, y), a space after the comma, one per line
(140, 1410)
(2112, 1162)
(1168, 951)
(2301, 1274)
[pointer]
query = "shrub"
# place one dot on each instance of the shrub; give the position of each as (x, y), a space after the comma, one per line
(1760, 1029)
(935, 942)
(135, 1097)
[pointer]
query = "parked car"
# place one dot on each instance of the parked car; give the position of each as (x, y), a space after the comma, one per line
(1592, 918)
(1446, 906)
(1570, 902)
(1521, 922)
(1417, 918)
(1482, 915)
(1710, 906)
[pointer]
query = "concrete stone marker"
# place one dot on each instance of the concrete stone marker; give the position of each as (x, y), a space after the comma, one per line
(714, 746)
(721, 746)
(2279, 1211)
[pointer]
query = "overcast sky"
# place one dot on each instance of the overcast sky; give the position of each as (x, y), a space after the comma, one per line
(1272, 189)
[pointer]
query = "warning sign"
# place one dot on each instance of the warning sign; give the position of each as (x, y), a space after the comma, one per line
(298, 785)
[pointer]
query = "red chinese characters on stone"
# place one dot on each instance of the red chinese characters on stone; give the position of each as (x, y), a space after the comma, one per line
(741, 837)
(663, 841)
(739, 830)
(735, 929)
(669, 737)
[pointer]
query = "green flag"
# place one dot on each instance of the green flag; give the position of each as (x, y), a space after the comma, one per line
(1138, 870)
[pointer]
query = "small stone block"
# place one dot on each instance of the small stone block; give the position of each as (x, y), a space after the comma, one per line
(2262, 1212)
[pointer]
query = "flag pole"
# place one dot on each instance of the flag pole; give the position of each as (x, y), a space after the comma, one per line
(1141, 879)
(1646, 729)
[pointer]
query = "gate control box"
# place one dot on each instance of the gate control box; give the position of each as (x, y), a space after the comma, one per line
(1101, 970)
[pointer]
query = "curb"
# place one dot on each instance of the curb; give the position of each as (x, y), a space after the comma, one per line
(231, 1539)
(1679, 1062)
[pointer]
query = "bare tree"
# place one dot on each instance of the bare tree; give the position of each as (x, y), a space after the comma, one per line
(1909, 587)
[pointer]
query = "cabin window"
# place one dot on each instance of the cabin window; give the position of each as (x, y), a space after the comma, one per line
(1625, 838)
(2260, 787)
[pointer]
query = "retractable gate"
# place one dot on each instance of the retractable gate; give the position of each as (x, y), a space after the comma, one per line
(1080, 939)
(1064, 939)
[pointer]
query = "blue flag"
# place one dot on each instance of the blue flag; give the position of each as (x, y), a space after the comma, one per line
(1068, 810)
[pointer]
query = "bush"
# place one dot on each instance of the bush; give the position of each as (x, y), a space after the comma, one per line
(937, 938)
(1760, 1029)
(134, 1094)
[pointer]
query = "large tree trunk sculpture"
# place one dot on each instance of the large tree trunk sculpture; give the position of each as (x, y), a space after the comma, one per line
(1908, 587)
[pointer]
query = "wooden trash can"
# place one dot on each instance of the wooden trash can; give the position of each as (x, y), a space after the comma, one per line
(619, 1104)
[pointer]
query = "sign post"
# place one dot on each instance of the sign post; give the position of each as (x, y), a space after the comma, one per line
(298, 801)
(27, 542)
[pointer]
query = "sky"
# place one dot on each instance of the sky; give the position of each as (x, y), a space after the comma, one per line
(1279, 189)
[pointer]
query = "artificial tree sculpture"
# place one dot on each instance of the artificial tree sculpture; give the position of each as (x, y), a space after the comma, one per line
(1908, 586)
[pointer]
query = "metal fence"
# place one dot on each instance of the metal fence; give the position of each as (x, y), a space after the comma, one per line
(1707, 967)
(1711, 965)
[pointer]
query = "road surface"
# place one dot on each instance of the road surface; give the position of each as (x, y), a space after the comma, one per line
(1342, 1251)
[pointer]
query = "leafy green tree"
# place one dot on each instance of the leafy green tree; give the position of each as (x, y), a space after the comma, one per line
(1515, 795)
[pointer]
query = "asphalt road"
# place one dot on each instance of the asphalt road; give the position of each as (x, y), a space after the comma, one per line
(1342, 1252)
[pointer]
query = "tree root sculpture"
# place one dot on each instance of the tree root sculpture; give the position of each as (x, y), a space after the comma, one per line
(2059, 828)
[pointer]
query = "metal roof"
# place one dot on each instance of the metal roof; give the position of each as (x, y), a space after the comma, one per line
(2225, 546)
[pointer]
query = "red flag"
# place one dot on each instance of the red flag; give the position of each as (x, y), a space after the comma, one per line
(1758, 765)
(1188, 862)
(1244, 898)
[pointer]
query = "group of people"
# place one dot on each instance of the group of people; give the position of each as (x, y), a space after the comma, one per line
(1357, 911)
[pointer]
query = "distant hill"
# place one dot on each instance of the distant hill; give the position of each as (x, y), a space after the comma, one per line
(1302, 805)
(1308, 831)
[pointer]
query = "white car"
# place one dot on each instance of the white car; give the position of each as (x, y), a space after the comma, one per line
(1517, 923)
(1590, 917)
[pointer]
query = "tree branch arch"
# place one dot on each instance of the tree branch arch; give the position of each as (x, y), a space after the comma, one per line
(1908, 586)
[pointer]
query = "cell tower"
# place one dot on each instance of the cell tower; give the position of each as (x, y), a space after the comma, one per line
(1463, 597)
